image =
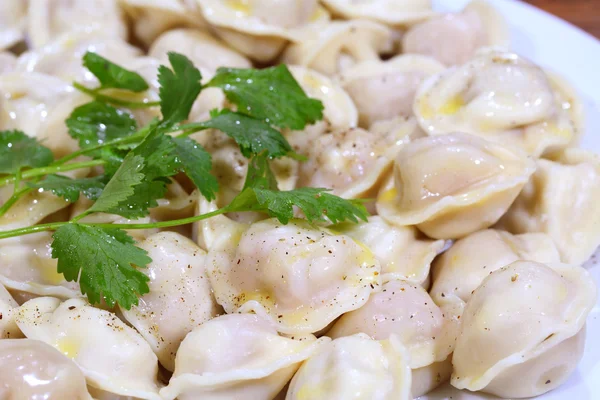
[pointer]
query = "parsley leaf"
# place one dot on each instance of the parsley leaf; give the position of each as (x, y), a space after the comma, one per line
(260, 175)
(270, 94)
(69, 189)
(196, 163)
(17, 150)
(251, 134)
(96, 122)
(141, 179)
(121, 186)
(178, 88)
(260, 194)
(317, 204)
(103, 261)
(113, 76)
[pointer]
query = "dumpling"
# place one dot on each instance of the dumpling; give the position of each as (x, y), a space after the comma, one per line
(523, 329)
(246, 358)
(39, 104)
(31, 369)
(153, 17)
(201, 47)
(13, 18)
(302, 277)
(390, 12)
(354, 367)
(180, 297)
(47, 19)
(383, 90)
(404, 253)
(561, 200)
(405, 309)
(62, 56)
(354, 162)
(339, 45)
(29, 210)
(339, 109)
(461, 269)
(503, 97)
(112, 356)
(26, 265)
(8, 326)
(260, 29)
(453, 39)
(453, 185)
(8, 61)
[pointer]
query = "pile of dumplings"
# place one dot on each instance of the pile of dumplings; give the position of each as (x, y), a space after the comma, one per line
(469, 270)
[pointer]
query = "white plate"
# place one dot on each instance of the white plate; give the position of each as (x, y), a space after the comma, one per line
(563, 48)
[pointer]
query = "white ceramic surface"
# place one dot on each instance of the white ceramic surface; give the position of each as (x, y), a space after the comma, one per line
(565, 49)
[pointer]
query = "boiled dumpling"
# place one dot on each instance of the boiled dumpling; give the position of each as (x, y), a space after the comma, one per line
(26, 265)
(13, 15)
(561, 200)
(8, 326)
(339, 111)
(260, 29)
(62, 56)
(453, 185)
(461, 269)
(38, 105)
(203, 49)
(8, 62)
(353, 162)
(31, 369)
(453, 39)
(303, 277)
(405, 309)
(390, 12)
(47, 19)
(354, 367)
(503, 97)
(180, 297)
(383, 90)
(112, 356)
(153, 17)
(404, 253)
(522, 330)
(340, 45)
(237, 356)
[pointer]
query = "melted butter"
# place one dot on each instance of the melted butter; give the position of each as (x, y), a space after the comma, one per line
(317, 15)
(389, 195)
(49, 274)
(309, 392)
(560, 132)
(262, 296)
(68, 347)
(452, 106)
(241, 7)
(426, 110)
(366, 257)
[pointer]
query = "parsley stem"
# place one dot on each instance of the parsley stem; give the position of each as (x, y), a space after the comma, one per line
(13, 199)
(123, 140)
(113, 100)
(51, 169)
(162, 224)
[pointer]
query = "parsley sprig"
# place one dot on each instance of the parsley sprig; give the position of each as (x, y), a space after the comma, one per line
(139, 163)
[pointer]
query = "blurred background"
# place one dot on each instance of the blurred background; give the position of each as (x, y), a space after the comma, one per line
(583, 13)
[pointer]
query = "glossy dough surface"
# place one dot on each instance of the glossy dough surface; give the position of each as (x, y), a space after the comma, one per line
(467, 272)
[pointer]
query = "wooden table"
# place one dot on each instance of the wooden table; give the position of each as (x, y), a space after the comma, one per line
(583, 13)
